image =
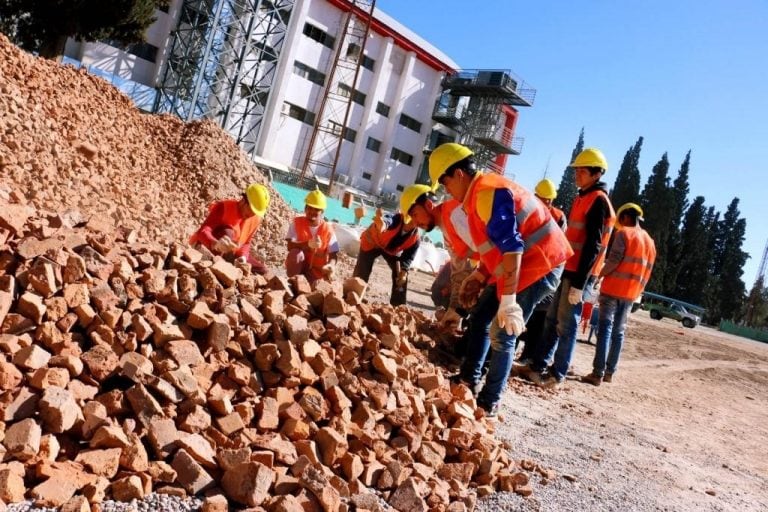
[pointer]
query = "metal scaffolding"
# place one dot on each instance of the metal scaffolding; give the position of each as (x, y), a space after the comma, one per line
(472, 103)
(222, 62)
(332, 119)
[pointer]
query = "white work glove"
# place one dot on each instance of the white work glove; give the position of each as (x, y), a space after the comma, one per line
(574, 296)
(314, 243)
(449, 320)
(224, 245)
(328, 271)
(510, 315)
(470, 288)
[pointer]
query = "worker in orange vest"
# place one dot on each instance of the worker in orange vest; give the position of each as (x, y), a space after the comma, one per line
(589, 228)
(522, 252)
(546, 192)
(312, 244)
(418, 202)
(626, 272)
(231, 224)
(396, 239)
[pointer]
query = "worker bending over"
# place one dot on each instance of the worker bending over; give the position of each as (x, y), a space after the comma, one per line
(312, 244)
(521, 250)
(231, 224)
(396, 239)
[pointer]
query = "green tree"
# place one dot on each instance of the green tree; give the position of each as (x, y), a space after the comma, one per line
(43, 26)
(756, 313)
(566, 192)
(656, 201)
(680, 191)
(626, 188)
(732, 288)
(693, 265)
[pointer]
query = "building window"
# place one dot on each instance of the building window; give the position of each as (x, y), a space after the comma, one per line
(410, 123)
(349, 134)
(296, 112)
(357, 96)
(368, 63)
(353, 51)
(144, 50)
(400, 188)
(311, 74)
(367, 176)
(319, 35)
(401, 156)
(382, 109)
(373, 144)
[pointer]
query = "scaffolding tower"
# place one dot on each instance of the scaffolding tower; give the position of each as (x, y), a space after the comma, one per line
(222, 62)
(472, 103)
(332, 119)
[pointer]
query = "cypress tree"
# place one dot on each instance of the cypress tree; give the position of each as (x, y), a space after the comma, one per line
(44, 25)
(626, 188)
(756, 312)
(566, 192)
(693, 270)
(656, 201)
(732, 288)
(680, 190)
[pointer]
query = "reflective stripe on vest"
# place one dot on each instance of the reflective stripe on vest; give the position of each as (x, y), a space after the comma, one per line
(545, 244)
(319, 257)
(452, 239)
(577, 232)
(627, 281)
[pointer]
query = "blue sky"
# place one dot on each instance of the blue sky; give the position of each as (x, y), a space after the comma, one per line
(683, 74)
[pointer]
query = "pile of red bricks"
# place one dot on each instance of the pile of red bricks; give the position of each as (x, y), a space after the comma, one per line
(69, 139)
(128, 367)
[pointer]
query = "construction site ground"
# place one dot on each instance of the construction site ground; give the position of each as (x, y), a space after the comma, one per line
(682, 426)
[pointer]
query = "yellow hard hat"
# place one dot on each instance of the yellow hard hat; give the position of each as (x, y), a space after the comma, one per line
(546, 189)
(258, 198)
(590, 157)
(444, 156)
(630, 206)
(316, 199)
(409, 196)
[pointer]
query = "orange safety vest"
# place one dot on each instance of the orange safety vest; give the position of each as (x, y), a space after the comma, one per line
(319, 257)
(545, 244)
(557, 214)
(577, 230)
(452, 239)
(627, 281)
(372, 238)
(231, 218)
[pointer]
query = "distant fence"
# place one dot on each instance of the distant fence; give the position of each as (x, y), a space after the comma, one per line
(745, 332)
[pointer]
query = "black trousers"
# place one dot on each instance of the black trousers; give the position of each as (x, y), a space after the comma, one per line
(364, 266)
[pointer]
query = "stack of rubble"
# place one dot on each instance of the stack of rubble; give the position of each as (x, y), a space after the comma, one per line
(128, 368)
(69, 139)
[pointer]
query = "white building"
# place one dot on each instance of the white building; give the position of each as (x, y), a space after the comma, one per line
(391, 117)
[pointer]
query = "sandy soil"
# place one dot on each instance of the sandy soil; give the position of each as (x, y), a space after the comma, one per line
(683, 426)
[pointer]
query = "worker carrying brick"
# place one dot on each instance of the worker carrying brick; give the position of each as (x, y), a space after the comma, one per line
(626, 271)
(522, 252)
(396, 239)
(312, 244)
(589, 228)
(419, 202)
(231, 224)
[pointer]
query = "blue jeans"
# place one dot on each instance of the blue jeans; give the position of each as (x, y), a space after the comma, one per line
(477, 335)
(502, 345)
(610, 329)
(559, 333)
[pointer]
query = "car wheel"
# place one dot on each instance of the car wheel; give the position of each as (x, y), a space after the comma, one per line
(687, 322)
(655, 314)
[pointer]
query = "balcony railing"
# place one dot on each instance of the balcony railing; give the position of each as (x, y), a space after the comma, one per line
(496, 82)
(501, 140)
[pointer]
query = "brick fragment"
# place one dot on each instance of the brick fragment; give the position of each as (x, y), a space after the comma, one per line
(248, 483)
(190, 474)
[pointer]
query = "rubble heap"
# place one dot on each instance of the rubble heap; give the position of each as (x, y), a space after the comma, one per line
(129, 367)
(69, 139)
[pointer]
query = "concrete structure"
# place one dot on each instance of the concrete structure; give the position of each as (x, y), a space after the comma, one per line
(405, 87)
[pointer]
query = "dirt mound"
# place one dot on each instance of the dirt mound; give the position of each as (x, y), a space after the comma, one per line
(69, 139)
